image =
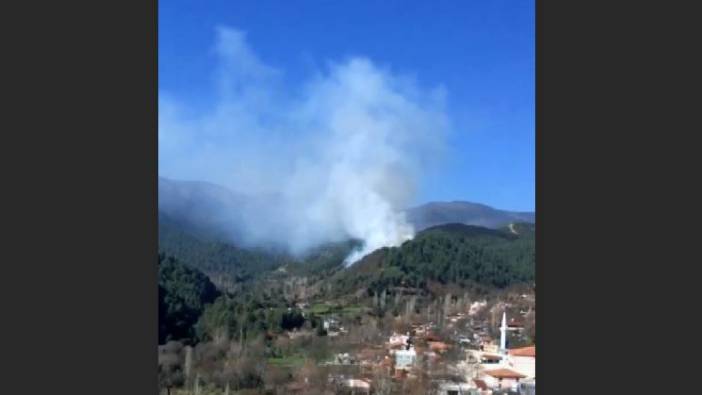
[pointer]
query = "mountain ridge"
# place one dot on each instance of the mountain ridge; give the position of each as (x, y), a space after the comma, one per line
(435, 213)
(206, 207)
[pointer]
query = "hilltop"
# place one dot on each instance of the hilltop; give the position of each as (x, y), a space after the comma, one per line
(458, 255)
(468, 213)
(215, 211)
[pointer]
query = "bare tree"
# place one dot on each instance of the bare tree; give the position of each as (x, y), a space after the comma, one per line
(382, 382)
(447, 304)
(383, 295)
(196, 386)
(188, 364)
(170, 369)
(410, 306)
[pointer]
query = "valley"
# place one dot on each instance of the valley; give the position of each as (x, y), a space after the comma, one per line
(240, 320)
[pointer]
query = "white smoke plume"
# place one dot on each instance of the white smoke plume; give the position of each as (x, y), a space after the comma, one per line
(335, 157)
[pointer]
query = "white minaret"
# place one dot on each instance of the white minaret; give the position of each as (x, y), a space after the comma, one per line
(503, 334)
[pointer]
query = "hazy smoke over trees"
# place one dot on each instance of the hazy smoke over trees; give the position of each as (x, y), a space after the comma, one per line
(334, 157)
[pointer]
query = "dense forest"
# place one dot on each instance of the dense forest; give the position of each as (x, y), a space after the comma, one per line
(463, 255)
(183, 294)
(217, 258)
(192, 308)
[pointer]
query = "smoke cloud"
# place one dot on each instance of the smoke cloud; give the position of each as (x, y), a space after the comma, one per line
(334, 157)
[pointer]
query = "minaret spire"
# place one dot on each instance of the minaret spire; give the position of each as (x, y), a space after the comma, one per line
(503, 334)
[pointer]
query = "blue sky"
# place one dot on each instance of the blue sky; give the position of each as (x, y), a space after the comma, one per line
(481, 52)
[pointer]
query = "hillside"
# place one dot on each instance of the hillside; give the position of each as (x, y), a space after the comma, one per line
(438, 213)
(494, 255)
(231, 266)
(202, 208)
(452, 254)
(183, 294)
(224, 262)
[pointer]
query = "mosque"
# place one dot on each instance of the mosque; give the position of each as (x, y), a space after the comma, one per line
(502, 368)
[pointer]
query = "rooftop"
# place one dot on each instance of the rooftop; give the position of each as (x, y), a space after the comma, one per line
(523, 352)
(503, 373)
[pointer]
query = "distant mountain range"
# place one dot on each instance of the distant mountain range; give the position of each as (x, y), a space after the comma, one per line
(439, 213)
(209, 209)
(201, 208)
(460, 244)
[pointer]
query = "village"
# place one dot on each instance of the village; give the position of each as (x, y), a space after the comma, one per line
(467, 354)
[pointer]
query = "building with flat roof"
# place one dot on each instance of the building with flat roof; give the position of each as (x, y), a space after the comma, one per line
(405, 359)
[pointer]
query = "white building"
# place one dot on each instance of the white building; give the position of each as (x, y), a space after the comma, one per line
(358, 386)
(452, 388)
(513, 369)
(404, 359)
(502, 378)
(330, 324)
(398, 340)
(523, 360)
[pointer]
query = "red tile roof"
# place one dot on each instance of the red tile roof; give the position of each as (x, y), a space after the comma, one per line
(504, 374)
(523, 352)
(438, 346)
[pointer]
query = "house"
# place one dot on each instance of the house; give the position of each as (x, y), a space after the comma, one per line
(502, 378)
(523, 352)
(439, 347)
(489, 346)
(405, 359)
(454, 388)
(358, 386)
(523, 360)
(330, 324)
(487, 360)
(397, 340)
(344, 359)
(490, 358)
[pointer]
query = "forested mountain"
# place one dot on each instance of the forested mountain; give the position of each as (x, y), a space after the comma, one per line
(214, 211)
(438, 213)
(216, 258)
(480, 258)
(458, 254)
(183, 294)
(200, 207)
(230, 266)
(192, 309)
